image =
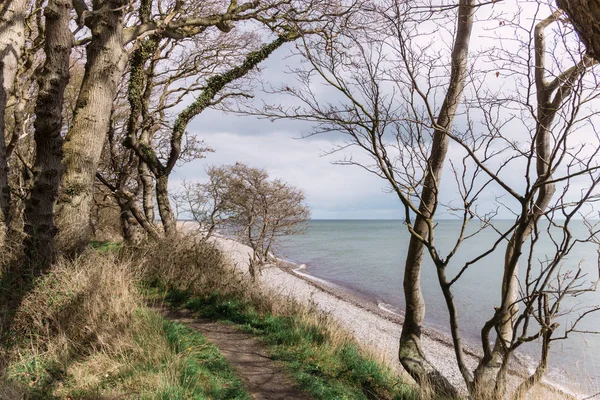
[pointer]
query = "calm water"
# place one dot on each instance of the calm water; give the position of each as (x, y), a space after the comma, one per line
(367, 257)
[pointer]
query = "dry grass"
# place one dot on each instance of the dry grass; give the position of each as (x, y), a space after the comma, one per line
(319, 354)
(87, 305)
(85, 331)
(9, 390)
(199, 268)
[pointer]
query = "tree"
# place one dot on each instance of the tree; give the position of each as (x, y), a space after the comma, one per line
(244, 201)
(388, 88)
(106, 60)
(12, 42)
(584, 17)
(39, 209)
(209, 94)
(118, 33)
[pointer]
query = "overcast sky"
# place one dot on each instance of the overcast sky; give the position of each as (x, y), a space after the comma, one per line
(332, 191)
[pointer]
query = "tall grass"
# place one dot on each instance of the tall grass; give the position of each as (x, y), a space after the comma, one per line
(319, 355)
(84, 331)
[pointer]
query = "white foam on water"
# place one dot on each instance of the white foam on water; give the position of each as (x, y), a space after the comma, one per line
(388, 308)
(310, 277)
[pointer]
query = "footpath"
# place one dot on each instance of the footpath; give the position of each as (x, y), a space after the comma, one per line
(263, 377)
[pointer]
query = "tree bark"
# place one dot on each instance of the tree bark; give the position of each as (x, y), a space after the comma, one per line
(164, 205)
(139, 95)
(106, 61)
(584, 15)
(12, 41)
(130, 221)
(39, 208)
(410, 353)
(147, 182)
(127, 225)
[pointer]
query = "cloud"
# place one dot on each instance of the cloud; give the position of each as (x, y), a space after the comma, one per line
(332, 191)
(335, 191)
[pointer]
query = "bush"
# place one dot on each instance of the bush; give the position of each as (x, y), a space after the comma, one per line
(187, 265)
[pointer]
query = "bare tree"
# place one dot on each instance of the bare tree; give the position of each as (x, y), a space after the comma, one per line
(106, 60)
(244, 201)
(387, 103)
(118, 174)
(209, 95)
(206, 202)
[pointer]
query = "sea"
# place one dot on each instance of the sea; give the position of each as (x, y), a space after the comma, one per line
(366, 258)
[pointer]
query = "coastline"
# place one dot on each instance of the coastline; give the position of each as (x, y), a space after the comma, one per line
(375, 329)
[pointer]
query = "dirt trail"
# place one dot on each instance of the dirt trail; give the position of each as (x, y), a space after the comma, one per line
(263, 377)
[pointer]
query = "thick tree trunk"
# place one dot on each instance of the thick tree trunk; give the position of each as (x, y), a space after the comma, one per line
(147, 182)
(164, 205)
(106, 61)
(139, 216)
(410, 354)
(129, 223)
(12, 41)
(39, 208)
(585, 16)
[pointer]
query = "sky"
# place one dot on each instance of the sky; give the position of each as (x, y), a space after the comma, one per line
(332, 191)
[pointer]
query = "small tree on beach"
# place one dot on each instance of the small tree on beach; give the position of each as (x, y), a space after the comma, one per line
(246, 202)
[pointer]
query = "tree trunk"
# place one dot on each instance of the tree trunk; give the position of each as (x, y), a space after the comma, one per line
(149, 227)
(106, 61)
(12, 41)
(39, 208)
(550, 99)
(410, 353)
(139, 95)
(584, 14)
(129, 222)
(164, 205)
(147, 182)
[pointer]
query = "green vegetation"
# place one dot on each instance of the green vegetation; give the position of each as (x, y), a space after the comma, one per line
(105, 246)
(85, 331)
(328, 367)
(189, 368)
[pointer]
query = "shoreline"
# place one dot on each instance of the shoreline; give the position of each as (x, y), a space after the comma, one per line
(347, 295)
(375, 329)
(518, 370)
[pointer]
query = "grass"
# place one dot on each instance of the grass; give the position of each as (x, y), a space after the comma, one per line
(85, 332)
(326, 367)
(175, 363)
(317, 353)
(106, 246)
